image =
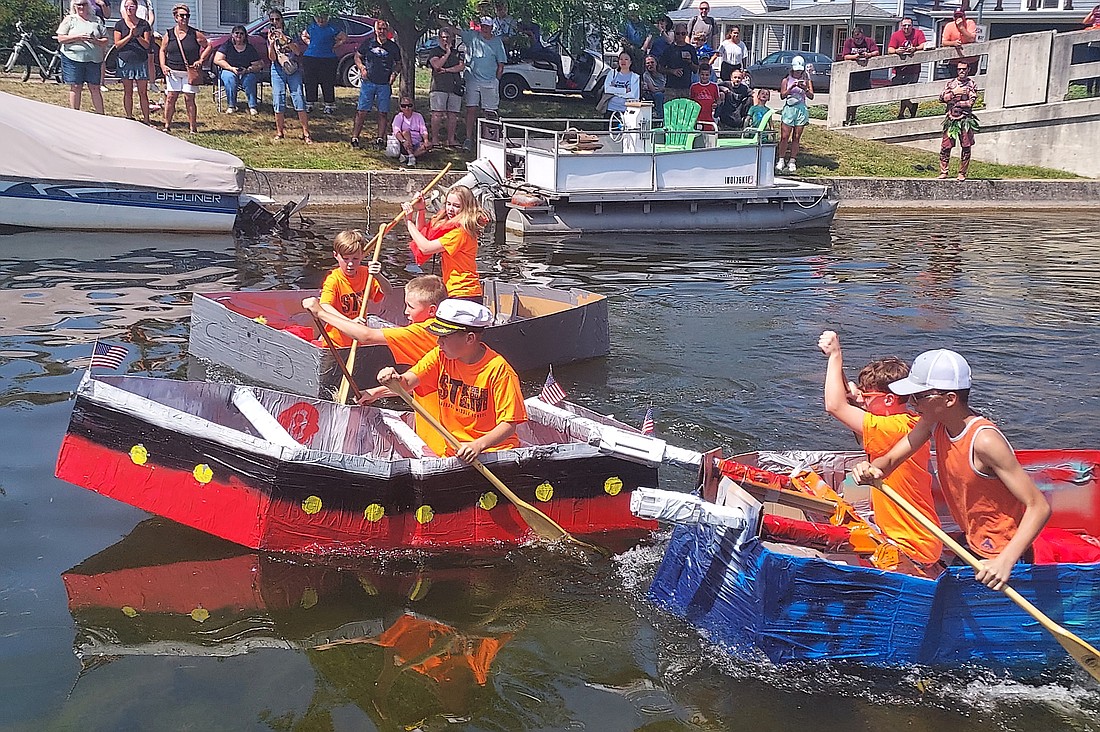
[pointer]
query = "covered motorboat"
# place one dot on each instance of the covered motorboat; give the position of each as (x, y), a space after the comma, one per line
(66, 169)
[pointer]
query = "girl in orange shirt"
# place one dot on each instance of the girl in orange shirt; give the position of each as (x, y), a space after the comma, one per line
(452, 232)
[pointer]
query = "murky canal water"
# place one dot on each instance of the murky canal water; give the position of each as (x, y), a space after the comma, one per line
(718, 334)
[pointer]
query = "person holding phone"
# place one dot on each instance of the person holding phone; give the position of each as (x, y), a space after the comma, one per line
(794, 90)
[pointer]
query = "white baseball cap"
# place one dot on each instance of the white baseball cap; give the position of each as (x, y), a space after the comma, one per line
(453, 316)
(486, 20)
(939, 369)
(798, 64)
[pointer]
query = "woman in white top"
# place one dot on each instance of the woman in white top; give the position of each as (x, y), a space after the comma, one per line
(83, 42)
(732, 54)
(623, 85)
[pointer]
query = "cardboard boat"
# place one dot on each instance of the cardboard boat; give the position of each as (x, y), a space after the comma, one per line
(334, 479)
(795, 603)
(168, 590)
(247, 331)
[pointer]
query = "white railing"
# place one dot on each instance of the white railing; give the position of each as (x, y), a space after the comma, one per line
(1023, 70)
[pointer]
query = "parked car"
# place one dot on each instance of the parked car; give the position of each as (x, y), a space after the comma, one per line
(358, 28)
(769, 71)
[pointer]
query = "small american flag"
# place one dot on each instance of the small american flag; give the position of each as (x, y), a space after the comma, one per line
(647, 422)
(552, 393)
(107, 357)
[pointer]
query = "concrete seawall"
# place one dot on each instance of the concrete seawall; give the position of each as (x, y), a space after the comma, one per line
(386, 188)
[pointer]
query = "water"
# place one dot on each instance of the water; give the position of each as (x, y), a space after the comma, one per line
(718, 335)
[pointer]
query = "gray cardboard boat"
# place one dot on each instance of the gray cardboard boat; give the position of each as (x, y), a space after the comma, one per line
(246, 331)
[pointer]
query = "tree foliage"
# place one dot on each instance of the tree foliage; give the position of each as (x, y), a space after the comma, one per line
(39, 16)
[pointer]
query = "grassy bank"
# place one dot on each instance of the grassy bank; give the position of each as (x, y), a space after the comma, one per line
(825, 153)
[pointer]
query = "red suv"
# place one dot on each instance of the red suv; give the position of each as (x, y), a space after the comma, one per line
(357, 27)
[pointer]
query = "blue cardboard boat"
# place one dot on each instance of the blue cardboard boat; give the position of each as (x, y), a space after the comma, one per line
(793, 603)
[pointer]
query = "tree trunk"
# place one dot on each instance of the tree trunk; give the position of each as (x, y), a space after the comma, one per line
(407, 36)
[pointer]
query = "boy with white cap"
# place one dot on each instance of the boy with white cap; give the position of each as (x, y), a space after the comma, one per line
(995, 502)
(480, 401)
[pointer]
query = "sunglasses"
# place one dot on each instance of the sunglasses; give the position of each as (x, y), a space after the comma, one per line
(238, 33)
(406, 106)
(183, 15)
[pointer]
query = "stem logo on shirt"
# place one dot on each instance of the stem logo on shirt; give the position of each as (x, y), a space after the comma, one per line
(461, 396)
(350, 303)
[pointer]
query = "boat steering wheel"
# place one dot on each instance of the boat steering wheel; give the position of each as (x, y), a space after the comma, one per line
(615, 126)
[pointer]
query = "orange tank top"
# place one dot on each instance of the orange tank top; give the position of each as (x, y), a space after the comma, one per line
(911, 479)
(981, 504)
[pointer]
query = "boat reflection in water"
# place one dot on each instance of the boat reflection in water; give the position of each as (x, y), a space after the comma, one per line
(404, 638)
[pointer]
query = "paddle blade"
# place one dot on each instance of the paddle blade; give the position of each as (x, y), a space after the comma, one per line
(1084, 654)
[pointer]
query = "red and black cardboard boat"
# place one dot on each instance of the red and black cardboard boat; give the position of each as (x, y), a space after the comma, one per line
(280, 472)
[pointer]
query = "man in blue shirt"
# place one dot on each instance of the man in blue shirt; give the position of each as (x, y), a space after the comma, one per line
(377, 58)
(485, 59)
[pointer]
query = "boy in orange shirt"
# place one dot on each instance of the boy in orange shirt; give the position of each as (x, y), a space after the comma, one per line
(480, 401)
(408, 343)
(342, 291)
(880, 422)
(992, 498)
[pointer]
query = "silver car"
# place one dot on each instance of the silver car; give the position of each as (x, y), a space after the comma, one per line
(767, 73)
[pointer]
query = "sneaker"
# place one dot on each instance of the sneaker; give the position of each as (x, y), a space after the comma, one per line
(355, 143)
(309, 107)
(401, 158)
(780, 166)
(379, 143)
(411, 161)
(230, 110)
(330, 109)
(468, 145)
(253, 111)
(791, 166)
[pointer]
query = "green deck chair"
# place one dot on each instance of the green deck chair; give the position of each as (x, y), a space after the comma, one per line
(750, 136)
(679, 125)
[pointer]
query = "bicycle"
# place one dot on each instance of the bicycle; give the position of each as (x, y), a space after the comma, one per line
(28, 52)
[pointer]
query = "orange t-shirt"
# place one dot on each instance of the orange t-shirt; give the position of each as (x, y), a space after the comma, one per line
(344, 293)
(473, 398)
(982, 505)
(408, 345)
(460, 263)
(911, 479)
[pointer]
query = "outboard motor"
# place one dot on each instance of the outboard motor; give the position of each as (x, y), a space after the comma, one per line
(481, 174)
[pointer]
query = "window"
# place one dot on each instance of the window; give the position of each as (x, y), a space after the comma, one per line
(233, 12)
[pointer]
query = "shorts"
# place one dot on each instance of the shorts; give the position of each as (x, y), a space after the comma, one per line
(374, 96)
(484, 94)
(80, 72)
(176, 81)
(795, 115)
(444, 102)
(133, 70)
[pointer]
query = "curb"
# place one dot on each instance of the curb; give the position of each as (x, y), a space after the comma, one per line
(368, 187)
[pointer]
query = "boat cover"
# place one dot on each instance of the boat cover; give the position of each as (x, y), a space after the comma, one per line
(44, 142)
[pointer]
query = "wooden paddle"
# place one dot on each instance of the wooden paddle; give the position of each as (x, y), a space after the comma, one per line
(1082, 652)
(342, 393)
(539, 522)
(335, 354)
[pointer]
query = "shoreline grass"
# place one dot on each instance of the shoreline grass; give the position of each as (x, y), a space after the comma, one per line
(825, 153)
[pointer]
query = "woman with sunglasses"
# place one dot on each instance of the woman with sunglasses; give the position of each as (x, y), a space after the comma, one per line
(411, 132)
(284, 82)
(83, 39)
(133, 39)
(183, 47)
(239, 63)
